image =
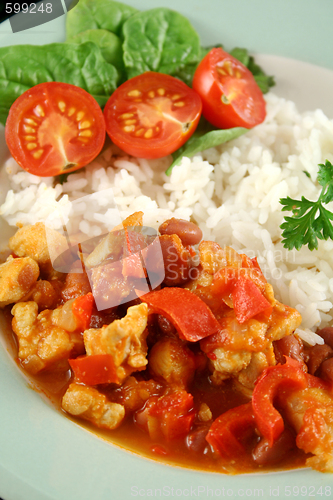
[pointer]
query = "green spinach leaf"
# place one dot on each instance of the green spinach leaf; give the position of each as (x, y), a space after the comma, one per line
(109, 43)
(264, 81)
(241, 54)
(203, 127)
(160, 40)
(187, 72)
(97, 14)
(209, 139)
(23, 66)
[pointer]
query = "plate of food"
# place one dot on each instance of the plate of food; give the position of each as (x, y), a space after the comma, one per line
(166, 245)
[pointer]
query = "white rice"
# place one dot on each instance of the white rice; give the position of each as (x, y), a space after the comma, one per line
(231, 191)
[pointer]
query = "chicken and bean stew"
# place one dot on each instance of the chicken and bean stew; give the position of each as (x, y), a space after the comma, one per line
(204, 370)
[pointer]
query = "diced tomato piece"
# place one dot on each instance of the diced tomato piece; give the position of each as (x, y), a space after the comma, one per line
(224, 281)
(180, 401)
(248, 300)
(132, 266)
(95, 369)
(82, 309)
(159, 450)
(318, 383)
(226, 431)
(226, 278)
(256, 265)
(175, 413)
(192, 318)
(275, 381)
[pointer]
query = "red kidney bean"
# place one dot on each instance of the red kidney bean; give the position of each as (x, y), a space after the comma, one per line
(316, 355)
(166, 327)
(326, 370)
(188, 232)
(289, 346)
(196, 440)
(327, 334)
(263, 454)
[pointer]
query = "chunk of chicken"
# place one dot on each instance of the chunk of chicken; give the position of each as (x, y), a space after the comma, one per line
(171, 361)
(87, 403)
(259, 361)
(17, 278)
(244, 350)
(228, 363)
(41, 343)
(232, 347)
(310, 411)
(212, 256)
(283, 321)
(124, 339)
(31, 241)
(45, 293)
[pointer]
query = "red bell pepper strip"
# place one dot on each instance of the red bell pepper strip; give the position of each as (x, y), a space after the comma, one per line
(248, 300)
(226, 430)
(275, 381)
(95, 369)
(191, 317)
(82, 309)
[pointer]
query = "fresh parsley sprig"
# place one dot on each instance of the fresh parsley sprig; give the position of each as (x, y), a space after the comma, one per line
(310, 220)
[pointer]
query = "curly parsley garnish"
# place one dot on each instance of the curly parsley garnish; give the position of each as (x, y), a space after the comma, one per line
(310, 220)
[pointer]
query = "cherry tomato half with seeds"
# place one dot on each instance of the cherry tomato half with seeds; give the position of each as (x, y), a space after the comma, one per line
(229, 93)
(152, 115)
(54, 128)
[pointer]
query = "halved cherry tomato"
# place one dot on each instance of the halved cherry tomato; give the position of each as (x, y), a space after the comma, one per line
(152, 115)
(54, 128)
(230, 95)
